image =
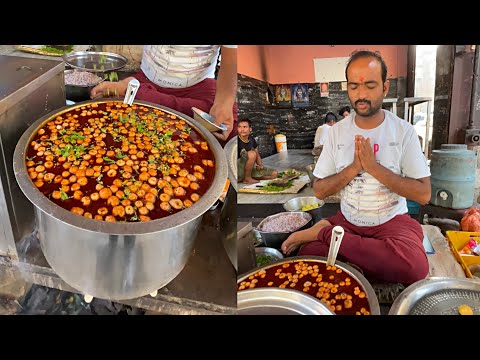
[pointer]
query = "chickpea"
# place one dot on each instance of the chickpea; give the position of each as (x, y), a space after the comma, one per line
(179, 191)
(198, 168)
(144, 218)
(56, 195)
(164, 197)
(168, 190)
(112, 200)
(165, 206)
(72, 179)
(77, 210)
(38, 183)
(143, 210)
(129, 210)
(77, 195)
(82, 181)
(33, 175)
(105, 193)
(182, 173)
(110, 218)
(348, 304)
(88, 215)
(94, 196)
(118, 211)
(192, 178)
(152, 180)
(112, 173)
(86, 200)
(176, 203)
(187, 203)
(141, 193)
(150, 198)
(199, 175)
(149, 206)
(195, 197)
(40, 168)
(102, 211)
(144, 176)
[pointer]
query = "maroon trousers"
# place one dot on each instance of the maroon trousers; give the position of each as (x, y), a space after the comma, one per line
(390, 252)
(200, 96)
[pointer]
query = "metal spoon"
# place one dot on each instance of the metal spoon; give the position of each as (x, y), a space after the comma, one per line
(337, 236)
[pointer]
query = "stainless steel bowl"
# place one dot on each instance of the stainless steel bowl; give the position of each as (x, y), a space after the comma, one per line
(275, 301)
(275, 239)
(78, 92)
(116, 260)
(297, 203)
(355, 274)
(274, 254)
(95, 61)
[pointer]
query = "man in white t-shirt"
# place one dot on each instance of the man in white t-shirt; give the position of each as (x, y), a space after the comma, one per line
(322, 131)
(183, 76)
(374, 159)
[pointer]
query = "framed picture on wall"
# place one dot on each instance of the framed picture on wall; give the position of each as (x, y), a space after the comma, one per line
(324, 89)
(300, 95)
(283, 95)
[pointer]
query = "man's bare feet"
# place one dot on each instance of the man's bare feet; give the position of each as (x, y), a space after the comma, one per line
(249, 181)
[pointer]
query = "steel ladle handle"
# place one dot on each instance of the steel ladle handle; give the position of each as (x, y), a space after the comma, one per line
(337, 236)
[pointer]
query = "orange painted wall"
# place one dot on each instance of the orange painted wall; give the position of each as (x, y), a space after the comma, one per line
(290, 64)
(252, 62)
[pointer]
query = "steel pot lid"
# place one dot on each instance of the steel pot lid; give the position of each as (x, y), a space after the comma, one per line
(438, 296)
(275, 301)
(231, 150)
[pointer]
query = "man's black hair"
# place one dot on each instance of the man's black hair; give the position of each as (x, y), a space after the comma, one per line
(364, 54)
(343, 109)
(245, 120)
(329, 117)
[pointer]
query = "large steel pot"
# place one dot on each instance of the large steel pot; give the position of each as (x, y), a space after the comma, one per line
(229, 210)
(116, 261)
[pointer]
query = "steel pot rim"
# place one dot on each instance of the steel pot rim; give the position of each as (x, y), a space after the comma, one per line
(359, 277)
(169, 222)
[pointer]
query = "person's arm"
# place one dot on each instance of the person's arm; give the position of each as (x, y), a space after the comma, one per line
(111, 89)
(333, 184)
(413, 189)
(226, 92)
(328, 181)
(259, 159)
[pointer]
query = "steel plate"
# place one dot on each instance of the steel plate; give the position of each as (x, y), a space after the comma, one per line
(275, 301)
(438, 296)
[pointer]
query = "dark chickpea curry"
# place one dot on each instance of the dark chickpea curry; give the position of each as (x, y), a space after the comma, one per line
(114, 162)
(333, 286)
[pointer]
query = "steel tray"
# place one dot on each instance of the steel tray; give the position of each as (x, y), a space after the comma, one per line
(438, 296)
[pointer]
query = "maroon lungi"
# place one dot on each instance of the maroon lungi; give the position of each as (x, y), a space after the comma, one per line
(201, 96)
(390, 252)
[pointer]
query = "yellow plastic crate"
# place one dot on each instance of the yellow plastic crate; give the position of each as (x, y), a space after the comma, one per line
(457, 241)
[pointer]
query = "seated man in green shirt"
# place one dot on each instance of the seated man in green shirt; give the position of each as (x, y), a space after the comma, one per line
(248, 156)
